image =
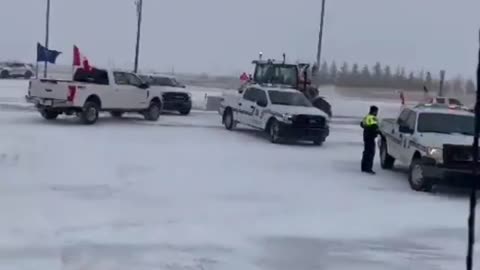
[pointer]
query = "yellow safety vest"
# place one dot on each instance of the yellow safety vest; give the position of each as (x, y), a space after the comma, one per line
(370, 120)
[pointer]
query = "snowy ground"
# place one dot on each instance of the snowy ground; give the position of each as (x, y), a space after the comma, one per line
(184, 193)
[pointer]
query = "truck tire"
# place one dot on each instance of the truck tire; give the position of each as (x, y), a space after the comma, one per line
(185, 111)
(89, 113)
(386, 161)
(416, 179)
(153, 112)
(228, 119)
(4, 74)
(116, 114)
(318, 142)
(48, 114)
(274, 131)
(28, 75)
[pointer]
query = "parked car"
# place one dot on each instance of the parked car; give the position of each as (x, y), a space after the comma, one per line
(93, 91)
(16, 70)
(174, 96)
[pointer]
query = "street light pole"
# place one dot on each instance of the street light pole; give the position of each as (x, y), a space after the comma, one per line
(47, 34)
(139, 4)
(320, 35)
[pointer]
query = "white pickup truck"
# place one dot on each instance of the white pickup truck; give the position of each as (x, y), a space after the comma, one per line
(281, 112)
(90, 92)
(435, 140)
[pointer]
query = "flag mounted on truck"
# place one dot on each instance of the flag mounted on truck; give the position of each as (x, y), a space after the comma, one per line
(80, 61)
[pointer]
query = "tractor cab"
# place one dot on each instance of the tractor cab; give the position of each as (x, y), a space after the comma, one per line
(279, 74)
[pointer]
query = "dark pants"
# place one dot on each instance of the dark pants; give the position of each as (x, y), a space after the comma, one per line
(368, 154)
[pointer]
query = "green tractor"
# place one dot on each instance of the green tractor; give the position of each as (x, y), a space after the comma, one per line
(290, 75)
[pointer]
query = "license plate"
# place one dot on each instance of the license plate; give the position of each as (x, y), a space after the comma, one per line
(48, 102)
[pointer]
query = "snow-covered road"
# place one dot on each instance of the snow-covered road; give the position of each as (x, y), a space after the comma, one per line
(184, 193)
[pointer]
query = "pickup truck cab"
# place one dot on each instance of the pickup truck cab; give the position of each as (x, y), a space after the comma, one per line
(434, 140)
(280, 112)
(93, 91)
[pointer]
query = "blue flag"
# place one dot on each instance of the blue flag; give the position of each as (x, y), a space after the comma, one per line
(46, 55)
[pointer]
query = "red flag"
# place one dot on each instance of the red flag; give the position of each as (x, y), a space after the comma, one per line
(244, 77)
(79, 60)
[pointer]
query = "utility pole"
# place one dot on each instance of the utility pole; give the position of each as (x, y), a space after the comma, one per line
(442, 83)
(320, 35)
(139, 5)
(47, 34)
(473, 194)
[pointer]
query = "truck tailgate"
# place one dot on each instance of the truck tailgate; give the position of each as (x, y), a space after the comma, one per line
(49, 89)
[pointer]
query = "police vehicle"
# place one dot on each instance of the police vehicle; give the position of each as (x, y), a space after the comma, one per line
(435, 140)
(283, 113)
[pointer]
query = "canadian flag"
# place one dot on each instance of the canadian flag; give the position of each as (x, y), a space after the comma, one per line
(80, 61)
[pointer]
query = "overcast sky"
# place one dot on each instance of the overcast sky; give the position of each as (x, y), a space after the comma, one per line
(223, 36)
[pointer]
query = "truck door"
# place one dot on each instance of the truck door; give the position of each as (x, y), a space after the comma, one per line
(261, 102)
(396, 142)
(407, 148)
(127, 94)
(138, 97)
(246, 107)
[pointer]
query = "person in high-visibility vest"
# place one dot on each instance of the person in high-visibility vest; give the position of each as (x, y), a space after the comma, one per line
(370, 132)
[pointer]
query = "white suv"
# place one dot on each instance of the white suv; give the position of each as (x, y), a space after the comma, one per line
(16, 70)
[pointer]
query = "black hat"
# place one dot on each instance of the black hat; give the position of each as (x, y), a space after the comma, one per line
(373, 108)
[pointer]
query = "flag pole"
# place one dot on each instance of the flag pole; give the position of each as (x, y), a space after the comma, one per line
(47, 33)
(139, 5)
(320, 37)
(473, 193)
(36, 70)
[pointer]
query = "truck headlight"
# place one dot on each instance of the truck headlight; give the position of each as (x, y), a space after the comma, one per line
(287, 118)
(435, 153)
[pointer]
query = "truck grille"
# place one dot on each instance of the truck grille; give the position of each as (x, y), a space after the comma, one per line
(168, 97)
(308, 121)
(457, 153)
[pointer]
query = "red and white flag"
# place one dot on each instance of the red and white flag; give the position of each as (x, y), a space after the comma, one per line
(80, 61)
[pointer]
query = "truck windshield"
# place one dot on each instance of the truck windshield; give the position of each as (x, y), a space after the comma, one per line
(276, 74)
(288, 98)
(446, 123)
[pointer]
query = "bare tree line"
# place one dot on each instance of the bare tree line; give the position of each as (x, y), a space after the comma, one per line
(384, 76)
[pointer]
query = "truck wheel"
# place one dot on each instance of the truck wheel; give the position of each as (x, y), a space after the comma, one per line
(228, 120)
(274, 131)
(153, 112)
(4, 74)
(185, 111)
(116, 114)
(319, 142)
(28, 75)
(386, 161)
(416, 179)
(89, 114)
(49, 115)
